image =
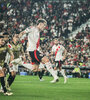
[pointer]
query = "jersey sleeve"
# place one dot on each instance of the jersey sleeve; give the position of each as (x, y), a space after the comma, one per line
(62, 48)
(27, 30)
(52, 50)
(9, 48)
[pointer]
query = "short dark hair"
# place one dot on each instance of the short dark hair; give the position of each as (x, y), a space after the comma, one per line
(1, 36)
(5, 33)
(41, 21)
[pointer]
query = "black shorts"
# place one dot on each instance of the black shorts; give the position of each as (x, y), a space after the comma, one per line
(36, 56)
(58, 64)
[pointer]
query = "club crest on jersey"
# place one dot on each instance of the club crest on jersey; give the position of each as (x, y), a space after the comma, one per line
(9, 45)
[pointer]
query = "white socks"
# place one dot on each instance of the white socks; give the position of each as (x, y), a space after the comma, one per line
(56, 72)
(63, 73)
(41, 65)
(51, 70)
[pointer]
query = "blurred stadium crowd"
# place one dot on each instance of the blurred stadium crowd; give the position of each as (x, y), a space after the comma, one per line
(62, 18)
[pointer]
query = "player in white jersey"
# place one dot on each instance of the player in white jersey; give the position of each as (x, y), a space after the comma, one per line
(33, 46)
(60, 55)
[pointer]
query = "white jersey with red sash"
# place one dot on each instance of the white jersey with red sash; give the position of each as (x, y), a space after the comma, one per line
(33, 38)
(58, 50)
(33, 43)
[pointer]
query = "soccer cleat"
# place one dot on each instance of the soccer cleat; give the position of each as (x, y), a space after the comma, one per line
(54, 81)
(1, 91)
(8, 93)
(42, 79)
(65, 80)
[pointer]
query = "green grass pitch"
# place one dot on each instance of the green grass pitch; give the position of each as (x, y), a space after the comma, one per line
(30, 88)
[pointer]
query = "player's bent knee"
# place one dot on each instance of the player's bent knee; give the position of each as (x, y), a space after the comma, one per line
(55, 68)
(1, 73)
(13, 73)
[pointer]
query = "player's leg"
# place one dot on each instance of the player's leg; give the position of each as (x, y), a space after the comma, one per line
(37, 57)
(62, 71)
(46, 61)
(4, 88)
(13, 69)
(40, 74)
(5, 78)
(12, 74)
(11, 78)
(41, 71)
(28, 66)
(17, 61)
(64, 75)
(56, 67)
(3, 83)
(56, 70)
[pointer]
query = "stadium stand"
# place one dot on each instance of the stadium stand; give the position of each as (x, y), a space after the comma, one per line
(63, 18)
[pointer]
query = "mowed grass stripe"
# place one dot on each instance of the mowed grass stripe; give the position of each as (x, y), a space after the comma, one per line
(30, 88)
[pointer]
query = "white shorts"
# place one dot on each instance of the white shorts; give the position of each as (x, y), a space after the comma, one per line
(17, 61)
(15, 64)
(13, 68)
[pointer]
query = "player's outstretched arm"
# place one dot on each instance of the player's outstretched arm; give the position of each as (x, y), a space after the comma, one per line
(21, 34)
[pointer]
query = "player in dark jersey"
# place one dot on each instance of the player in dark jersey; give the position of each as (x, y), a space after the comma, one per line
(16, 49)
(3, 50)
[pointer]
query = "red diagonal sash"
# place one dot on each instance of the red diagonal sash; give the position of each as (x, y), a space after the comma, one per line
(57, 50)
(38, 43)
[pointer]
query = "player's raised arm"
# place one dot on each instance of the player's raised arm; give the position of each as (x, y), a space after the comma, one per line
(22, 33)
(25, 32)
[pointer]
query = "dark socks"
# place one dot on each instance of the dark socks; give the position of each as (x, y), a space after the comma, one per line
(3, 84)
(43, 72)
(11, 79)
(40, 74)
